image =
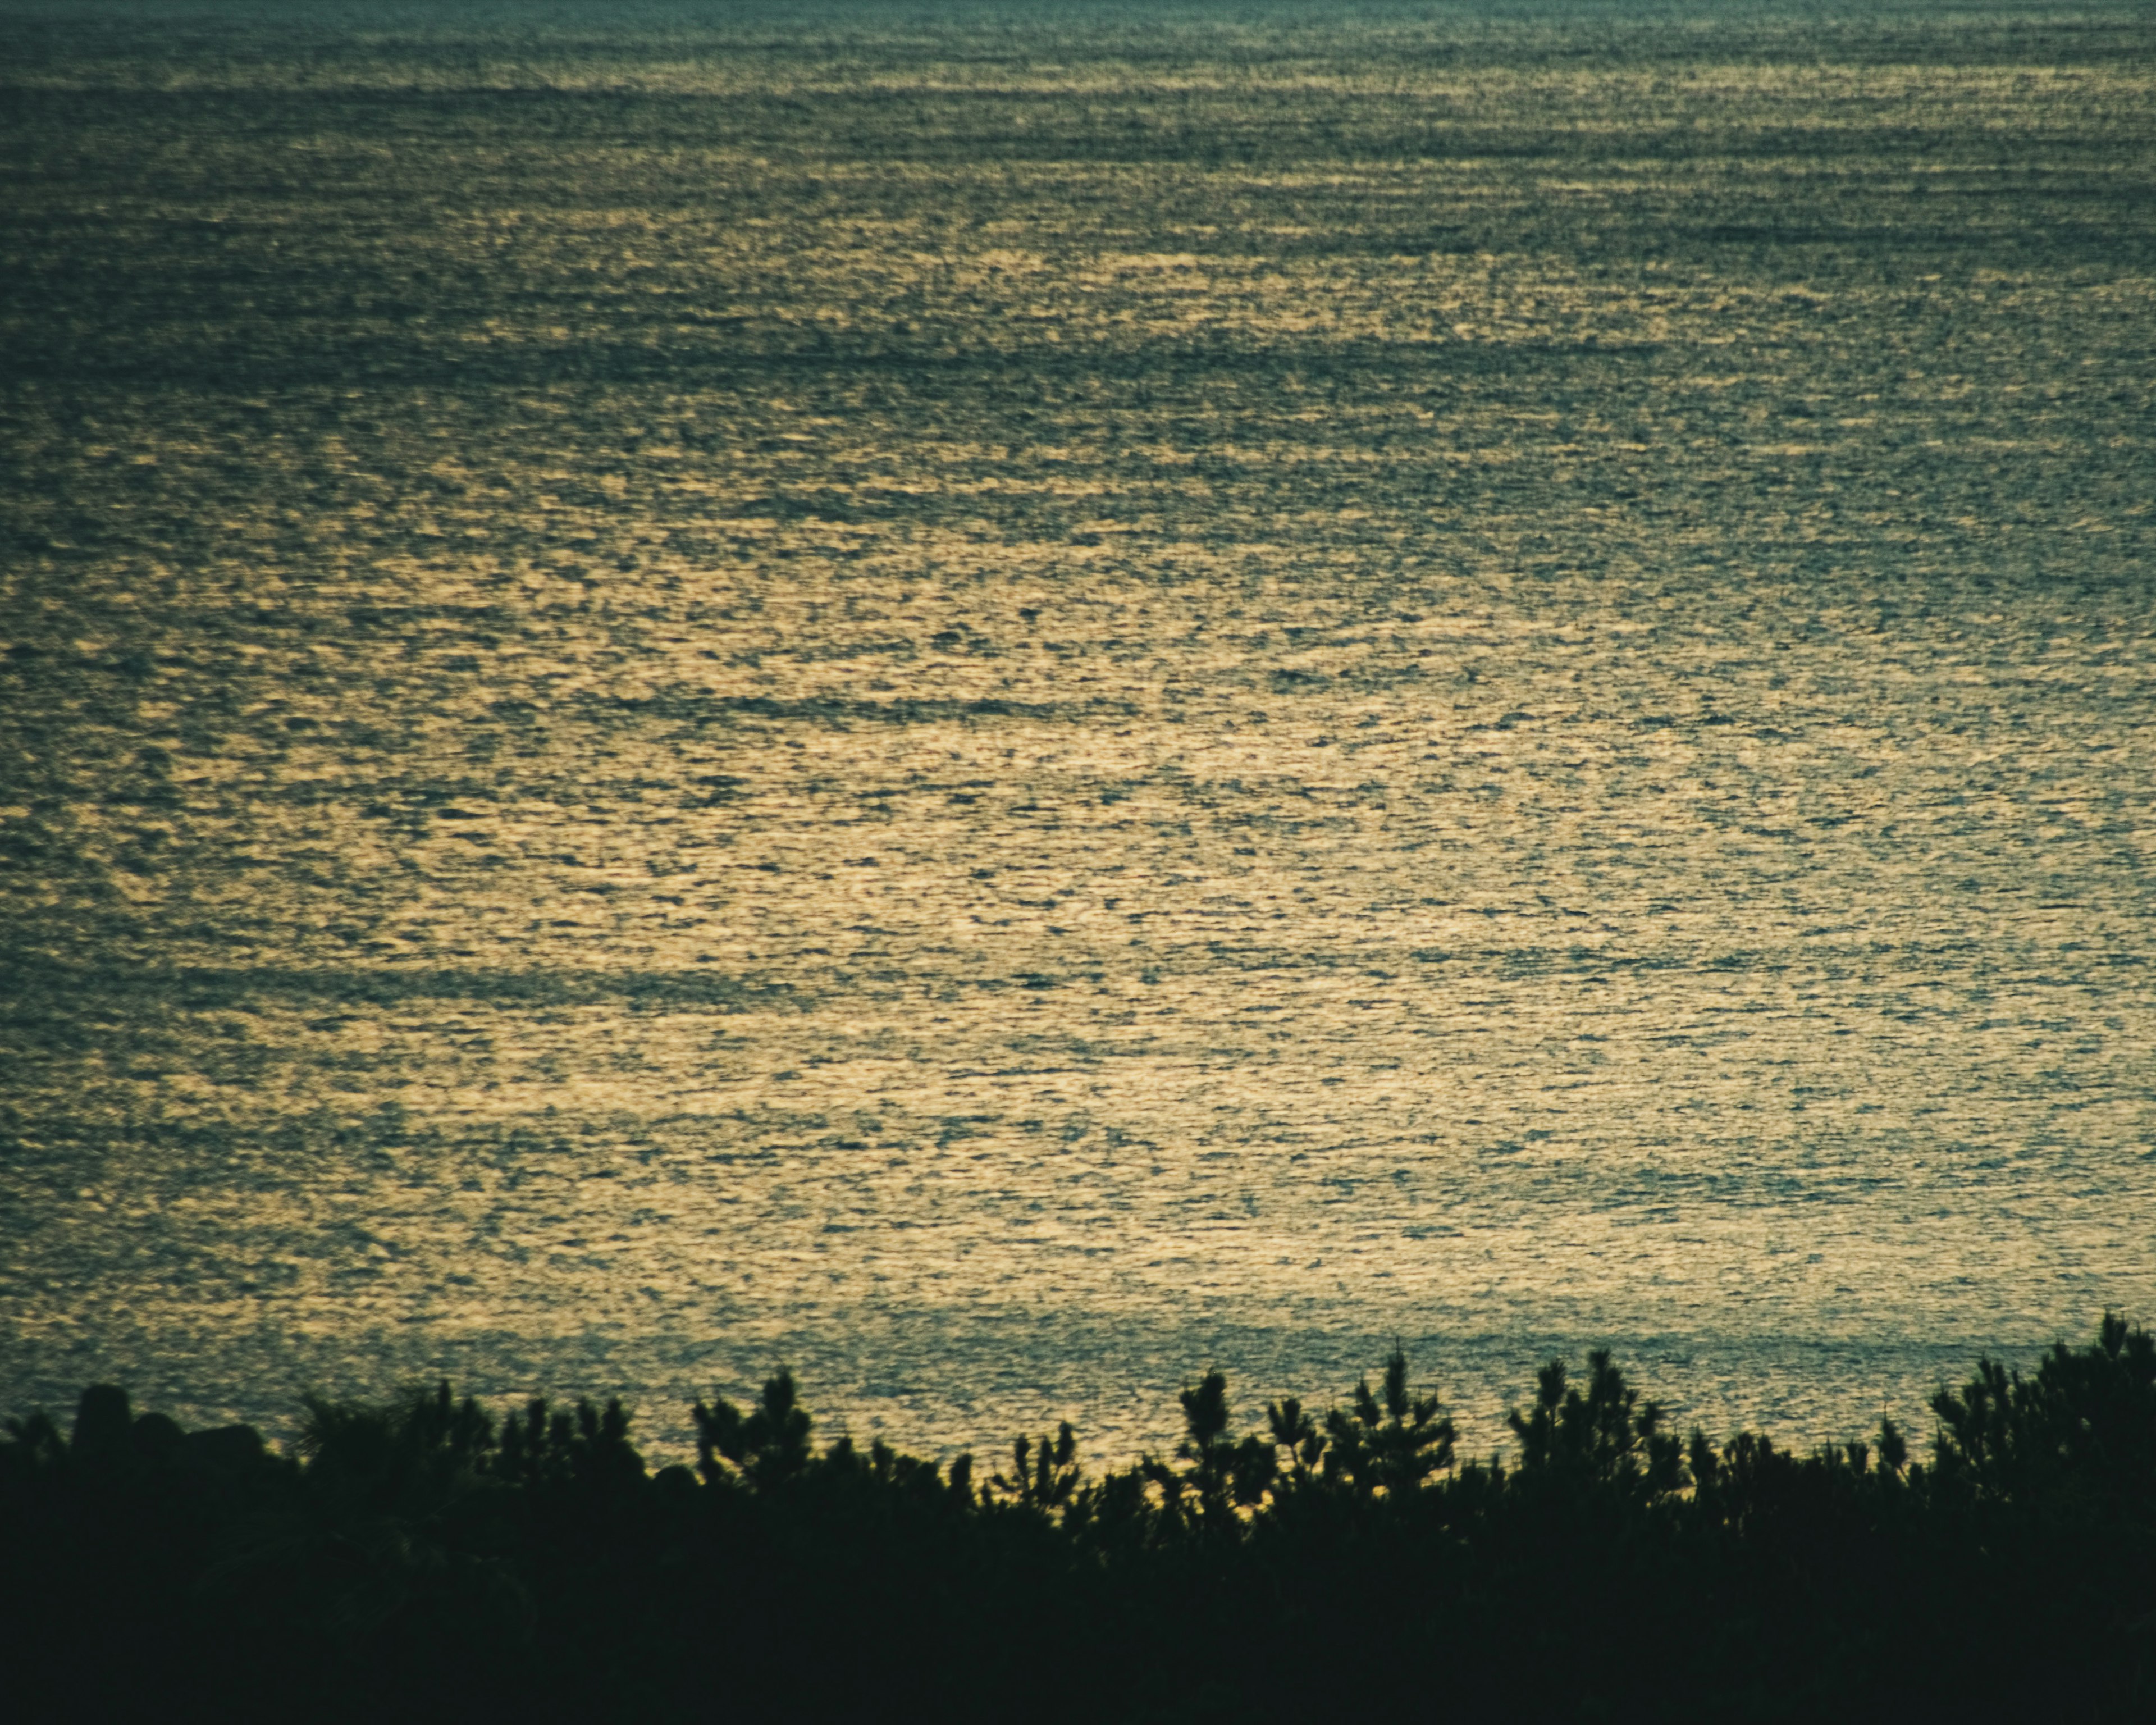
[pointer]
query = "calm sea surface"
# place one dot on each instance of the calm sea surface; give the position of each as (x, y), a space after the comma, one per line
(1007, 705)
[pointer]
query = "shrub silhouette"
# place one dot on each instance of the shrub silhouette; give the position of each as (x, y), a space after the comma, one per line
(2085, 1423)
(1220, 1474)
(1392, 1448)
(427, 1546)
(1050, 1482)
(767, 1448)
(1603, 1438)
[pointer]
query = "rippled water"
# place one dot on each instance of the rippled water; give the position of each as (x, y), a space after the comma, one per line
(1007, 707)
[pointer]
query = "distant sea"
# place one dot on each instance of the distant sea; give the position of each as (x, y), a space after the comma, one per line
(1005, 703)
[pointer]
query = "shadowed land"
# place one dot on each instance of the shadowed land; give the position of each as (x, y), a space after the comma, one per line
(427, 1556)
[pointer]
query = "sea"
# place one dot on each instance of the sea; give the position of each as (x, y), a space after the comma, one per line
(1003, 703)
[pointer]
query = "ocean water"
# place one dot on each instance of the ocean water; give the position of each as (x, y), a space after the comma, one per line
(1005, 704)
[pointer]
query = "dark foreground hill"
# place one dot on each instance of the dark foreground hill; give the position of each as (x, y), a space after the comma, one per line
(427, 1558)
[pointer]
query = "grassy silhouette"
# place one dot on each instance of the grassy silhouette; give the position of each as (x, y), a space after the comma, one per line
(430, 1555)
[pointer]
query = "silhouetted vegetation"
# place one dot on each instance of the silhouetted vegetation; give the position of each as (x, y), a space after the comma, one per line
(429, 1556)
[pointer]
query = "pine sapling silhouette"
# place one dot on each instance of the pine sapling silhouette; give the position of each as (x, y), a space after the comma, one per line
(1393, 1445)
(1604, 1438)
(767, 1448)
(1050, 1483)
(2085, 1422)
(523, 1456)
(404, 1458)
(585, 1451)
(1975, 1440)
(1219, 1476)
(373, 1549)
(911, 1474)
(1702, 1461)
(33, 1445)
(1893, 1448)
(1294, 1432)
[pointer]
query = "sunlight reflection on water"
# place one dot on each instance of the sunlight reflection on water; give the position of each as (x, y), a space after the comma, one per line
(689, 742)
